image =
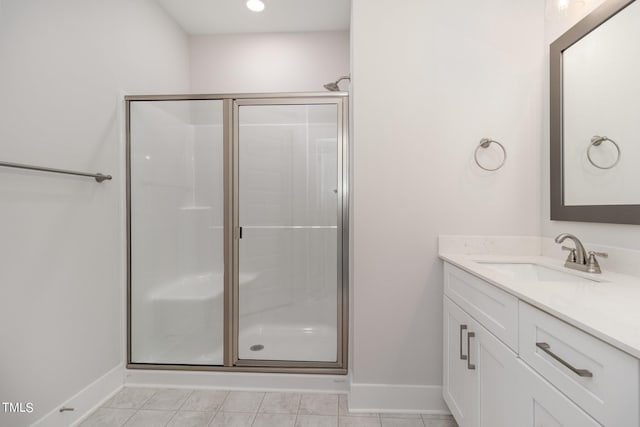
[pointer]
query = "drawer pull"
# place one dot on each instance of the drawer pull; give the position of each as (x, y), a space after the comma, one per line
(547, 349)
(462, 328)
(469, 336)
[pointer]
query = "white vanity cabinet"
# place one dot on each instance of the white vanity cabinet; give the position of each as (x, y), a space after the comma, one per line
(507, 363)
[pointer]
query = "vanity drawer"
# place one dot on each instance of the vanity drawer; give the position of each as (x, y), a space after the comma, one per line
(601, 379)
(494, 308)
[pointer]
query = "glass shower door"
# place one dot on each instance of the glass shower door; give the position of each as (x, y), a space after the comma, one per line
(176, 232)
(289, 227)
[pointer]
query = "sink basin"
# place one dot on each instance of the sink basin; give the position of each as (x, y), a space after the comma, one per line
(535, 272)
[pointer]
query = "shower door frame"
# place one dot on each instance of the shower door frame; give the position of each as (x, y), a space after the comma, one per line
(231, 103)
(303, 99)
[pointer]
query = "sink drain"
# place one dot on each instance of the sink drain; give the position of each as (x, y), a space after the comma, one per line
(256, 347)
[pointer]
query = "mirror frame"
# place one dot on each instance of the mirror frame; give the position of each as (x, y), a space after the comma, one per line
(615, 214)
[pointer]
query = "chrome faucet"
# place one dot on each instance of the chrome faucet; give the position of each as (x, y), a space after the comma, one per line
(578, 259)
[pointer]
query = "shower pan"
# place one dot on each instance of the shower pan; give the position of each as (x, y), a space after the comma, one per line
(237, 232)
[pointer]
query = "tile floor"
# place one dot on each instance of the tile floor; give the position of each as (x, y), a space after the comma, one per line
(149, 407)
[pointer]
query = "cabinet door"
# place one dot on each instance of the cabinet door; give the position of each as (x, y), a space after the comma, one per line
(459, 382)
(479, 372)
(541, 405)
(496, 370)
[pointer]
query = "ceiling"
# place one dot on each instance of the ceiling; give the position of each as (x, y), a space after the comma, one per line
(198, 17)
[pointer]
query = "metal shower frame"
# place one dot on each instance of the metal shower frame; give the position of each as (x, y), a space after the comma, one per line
(231, 362)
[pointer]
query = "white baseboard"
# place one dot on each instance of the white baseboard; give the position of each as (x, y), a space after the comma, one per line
(387, 398)
(237, 381)
(84, 402)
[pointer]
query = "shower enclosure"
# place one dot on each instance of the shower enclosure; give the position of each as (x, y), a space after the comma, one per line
(237, 231)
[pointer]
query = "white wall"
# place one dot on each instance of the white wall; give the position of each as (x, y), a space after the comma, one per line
(620, 235)
(268, 62)
(430, 79)
(64, 67)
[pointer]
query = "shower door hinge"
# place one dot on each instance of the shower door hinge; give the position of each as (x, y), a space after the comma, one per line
(238, 233)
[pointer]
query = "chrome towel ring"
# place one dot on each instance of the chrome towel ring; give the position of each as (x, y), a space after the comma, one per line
(595, 142)
(485, 143)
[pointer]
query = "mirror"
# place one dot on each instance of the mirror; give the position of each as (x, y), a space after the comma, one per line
(595, 111)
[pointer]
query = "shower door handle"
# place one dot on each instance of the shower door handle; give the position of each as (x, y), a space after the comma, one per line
(238, 233)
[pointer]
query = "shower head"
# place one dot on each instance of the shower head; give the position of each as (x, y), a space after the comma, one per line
(333, 86)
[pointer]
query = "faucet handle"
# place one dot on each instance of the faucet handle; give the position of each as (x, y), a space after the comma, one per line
(592, 263)
(600, 254)
(572, 253)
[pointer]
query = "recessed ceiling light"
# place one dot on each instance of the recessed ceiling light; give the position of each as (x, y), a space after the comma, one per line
(255, 5)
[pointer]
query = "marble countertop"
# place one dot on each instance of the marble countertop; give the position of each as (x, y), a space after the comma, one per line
(608, 309)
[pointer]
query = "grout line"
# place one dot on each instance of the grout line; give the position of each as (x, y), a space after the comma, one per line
(210, 423)
(127, 420)
(298, 408)
(185, 400)
(223, 401)
(147, 399)
(261, 403)
(171, 418)
(255, 415)
(213, 417)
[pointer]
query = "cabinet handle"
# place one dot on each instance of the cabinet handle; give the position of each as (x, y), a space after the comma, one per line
(469, 336)
(547, 349)
(462, 328)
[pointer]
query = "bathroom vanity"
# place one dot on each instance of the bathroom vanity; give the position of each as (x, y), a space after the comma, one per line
(528, 342)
